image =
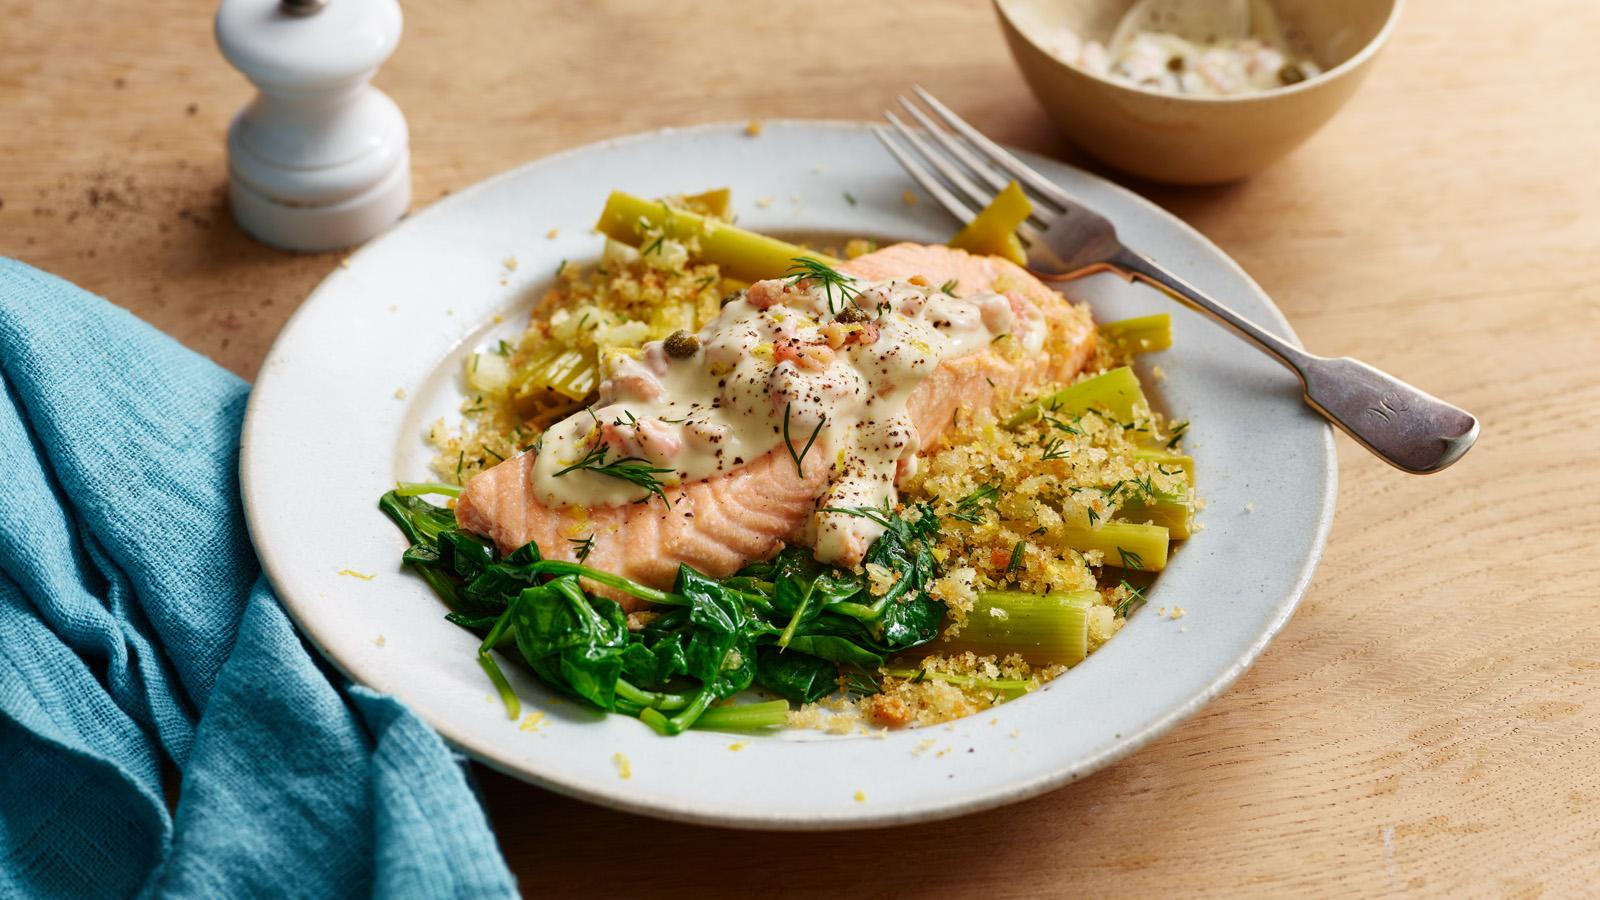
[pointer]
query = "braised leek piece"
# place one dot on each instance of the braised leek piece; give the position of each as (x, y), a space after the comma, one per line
(993, 232)
(1041, 628)
(739, 254)
(1122, 544)
(1144, 334)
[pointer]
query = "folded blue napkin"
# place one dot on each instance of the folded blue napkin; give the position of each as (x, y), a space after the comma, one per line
(137, 635)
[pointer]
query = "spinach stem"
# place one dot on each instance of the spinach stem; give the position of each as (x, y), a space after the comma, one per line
(562, 567)
(650, 699)
(794, 620)
(418, 488)
(746, 717)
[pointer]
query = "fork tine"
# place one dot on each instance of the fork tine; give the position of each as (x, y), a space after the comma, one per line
(976, 195)
(960, 151)
(1030, 236)
(998, 154)
(924, 177)
(952, 146)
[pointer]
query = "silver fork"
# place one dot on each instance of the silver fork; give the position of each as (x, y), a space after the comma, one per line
(1406, 427)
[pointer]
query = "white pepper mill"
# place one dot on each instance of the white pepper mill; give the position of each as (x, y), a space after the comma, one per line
(319, 159)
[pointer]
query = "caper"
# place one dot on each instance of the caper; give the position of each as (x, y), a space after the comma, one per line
(852, 315)
(681, 344)
(1291, 74)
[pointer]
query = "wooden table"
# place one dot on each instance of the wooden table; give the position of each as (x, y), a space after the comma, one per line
(1429, 719)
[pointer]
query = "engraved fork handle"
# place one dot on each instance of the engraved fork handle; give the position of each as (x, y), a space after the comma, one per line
(1408, 428)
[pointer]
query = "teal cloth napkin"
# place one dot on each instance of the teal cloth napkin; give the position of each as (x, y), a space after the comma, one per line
(135, 626)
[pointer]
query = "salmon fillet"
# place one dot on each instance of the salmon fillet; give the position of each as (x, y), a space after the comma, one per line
(721, 523)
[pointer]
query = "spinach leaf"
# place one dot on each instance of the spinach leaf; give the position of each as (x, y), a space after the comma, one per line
(795, 676)
(836, 649)
(911, 622)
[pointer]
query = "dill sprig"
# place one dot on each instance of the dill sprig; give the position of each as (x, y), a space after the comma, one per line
(631, 469)
(1053, 449)
(805, 268)
(799, 458)
(1059, 425)
(969, 509)
(1130, 559)
(949, 287)
(861, 683)
(1134, 596)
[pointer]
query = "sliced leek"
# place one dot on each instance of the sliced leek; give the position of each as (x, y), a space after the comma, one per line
(1145, 334)
(740, 254)
(993, 232)
(1116, 392)
(1041, 628)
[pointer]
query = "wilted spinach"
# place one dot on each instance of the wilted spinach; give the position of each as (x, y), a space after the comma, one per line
(788, 624)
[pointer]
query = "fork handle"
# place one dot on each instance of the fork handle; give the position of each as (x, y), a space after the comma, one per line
(1406, 427)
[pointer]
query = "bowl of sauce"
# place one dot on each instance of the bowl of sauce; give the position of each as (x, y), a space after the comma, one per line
(1196, 92)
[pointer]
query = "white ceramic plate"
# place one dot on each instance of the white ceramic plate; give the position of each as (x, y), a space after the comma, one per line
(343, 400)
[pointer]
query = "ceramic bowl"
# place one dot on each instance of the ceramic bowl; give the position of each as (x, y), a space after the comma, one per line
(1182, 139)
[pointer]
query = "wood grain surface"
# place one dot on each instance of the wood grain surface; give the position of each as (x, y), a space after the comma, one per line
(1427, 723)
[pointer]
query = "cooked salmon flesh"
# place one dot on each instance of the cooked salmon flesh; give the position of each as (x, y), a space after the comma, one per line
(720, 523)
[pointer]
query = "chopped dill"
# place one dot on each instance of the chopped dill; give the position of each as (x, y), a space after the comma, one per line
(503, 348)
(999, 337)
(949, 287)
(561, 268)
(1130, 559)
(1016, 557)
(850, 198)
(1178, 432)
(969, 509)
(584, 546)
(654, 246)
(799, 458)
(1054, 450)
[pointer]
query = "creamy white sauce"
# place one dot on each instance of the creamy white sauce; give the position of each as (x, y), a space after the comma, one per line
(1143, 53)
(780, 351)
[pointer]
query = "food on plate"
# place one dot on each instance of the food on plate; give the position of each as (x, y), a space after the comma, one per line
(894, 489)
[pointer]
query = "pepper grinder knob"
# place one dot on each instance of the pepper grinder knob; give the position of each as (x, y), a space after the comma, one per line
(319, 159)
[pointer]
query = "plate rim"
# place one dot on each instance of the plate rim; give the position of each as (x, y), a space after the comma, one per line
(1120, 748)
